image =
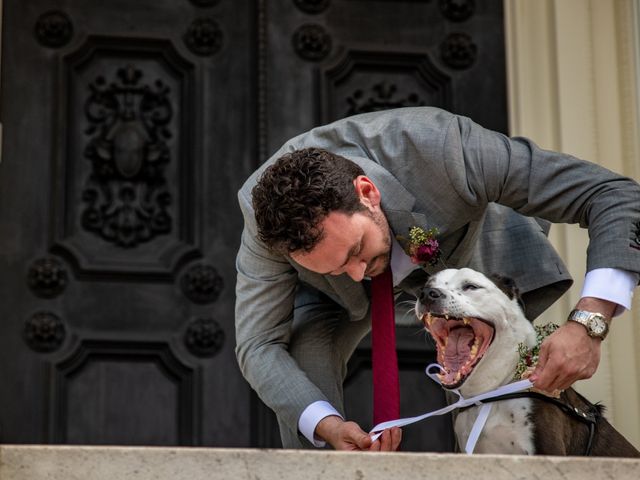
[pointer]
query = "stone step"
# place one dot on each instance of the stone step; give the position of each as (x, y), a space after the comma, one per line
(34, 462)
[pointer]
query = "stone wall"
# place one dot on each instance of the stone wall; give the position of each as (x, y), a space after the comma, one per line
(144, 463)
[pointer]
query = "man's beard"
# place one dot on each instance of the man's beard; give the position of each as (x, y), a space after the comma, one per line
(383, 259)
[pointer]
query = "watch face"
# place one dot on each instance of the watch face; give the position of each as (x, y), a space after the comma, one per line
(597, 325)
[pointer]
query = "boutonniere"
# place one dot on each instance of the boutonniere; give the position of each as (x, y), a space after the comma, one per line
(529, 356)
(422, 246)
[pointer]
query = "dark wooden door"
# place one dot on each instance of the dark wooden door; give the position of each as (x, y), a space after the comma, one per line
(330, 59)
(128, 128)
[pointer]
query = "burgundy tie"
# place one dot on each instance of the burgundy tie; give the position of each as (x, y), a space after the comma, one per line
(386, 386)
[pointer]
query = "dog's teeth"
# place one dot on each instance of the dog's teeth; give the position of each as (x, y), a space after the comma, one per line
(458, 376)
(474, 350)
(429, 319)
(446, 316)
(466, 321)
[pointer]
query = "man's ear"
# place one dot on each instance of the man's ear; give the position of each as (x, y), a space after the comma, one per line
(367, 191)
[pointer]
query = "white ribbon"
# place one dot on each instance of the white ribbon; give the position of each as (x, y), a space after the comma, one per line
(461, 403)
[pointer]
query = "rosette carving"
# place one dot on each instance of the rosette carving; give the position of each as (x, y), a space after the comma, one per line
(44, 332)
(204, 337)
(312, 6)
(458, 51)
(47, 277)
(205, 3)
(312, 42)
(382, 96)
(204, 37)
(202, 284)
(457, 10)
(53, 29)
(127, 195)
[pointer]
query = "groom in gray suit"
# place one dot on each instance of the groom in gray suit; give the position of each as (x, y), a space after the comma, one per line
(322, 216)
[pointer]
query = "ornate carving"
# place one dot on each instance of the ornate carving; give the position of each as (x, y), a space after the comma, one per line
(205, 3)
(311, 42)
(363, 80)
(127, 194)
(202, 284)
(53, 29)
(47, 277)
(458, 51)
(203, 37)
(312, 6)
(457, 10)
(44, 332)
(381, 98)
(204, 337)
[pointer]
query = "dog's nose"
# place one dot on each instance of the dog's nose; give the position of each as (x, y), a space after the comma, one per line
(430, 294)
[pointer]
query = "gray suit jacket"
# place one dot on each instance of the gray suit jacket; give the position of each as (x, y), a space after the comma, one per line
(482, 191)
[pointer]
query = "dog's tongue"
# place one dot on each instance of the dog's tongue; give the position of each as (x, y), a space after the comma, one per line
(458, 350)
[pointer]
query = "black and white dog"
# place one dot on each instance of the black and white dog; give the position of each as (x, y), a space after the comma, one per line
(477, 324)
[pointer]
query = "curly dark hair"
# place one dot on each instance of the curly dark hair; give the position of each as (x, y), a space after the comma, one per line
(297, 192)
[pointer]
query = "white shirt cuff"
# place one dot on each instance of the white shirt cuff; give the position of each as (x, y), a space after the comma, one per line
(311, 417)
(611, 284)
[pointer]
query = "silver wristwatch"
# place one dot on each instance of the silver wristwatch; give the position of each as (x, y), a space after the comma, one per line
(596, 324)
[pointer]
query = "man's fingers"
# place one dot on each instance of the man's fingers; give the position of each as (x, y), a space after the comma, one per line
(375, 446)
(364, 442)
(547, 379)
(396, 437)
(542, 361)
(389, 440)
(357, 436)
(566, 356)
(385, 441)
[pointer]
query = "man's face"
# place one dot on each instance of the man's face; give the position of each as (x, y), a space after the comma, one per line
(358, 245)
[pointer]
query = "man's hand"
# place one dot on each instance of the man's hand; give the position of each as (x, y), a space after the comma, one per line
(343, 435)
(570, 354)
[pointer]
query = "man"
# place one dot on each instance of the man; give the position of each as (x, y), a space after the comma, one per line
(322, 216)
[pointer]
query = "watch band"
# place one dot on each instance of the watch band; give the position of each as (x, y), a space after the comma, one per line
(597, 325)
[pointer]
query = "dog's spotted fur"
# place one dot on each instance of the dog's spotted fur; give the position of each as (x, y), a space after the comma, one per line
(517, 426)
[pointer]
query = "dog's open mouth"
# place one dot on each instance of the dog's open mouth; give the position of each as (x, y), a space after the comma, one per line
(461, 343)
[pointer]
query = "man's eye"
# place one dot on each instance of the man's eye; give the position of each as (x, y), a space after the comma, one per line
(470, 286)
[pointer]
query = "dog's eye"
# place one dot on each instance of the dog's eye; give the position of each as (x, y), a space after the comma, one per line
(470, 286)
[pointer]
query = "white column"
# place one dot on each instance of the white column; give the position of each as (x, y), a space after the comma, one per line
(572, 67)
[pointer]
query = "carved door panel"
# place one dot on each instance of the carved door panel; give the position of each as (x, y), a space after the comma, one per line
(118, 220)
(329, 59)
(128, 128)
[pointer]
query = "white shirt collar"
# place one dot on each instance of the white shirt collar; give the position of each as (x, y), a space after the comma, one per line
(401, 264)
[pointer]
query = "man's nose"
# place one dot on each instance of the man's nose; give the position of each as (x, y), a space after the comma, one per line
(355, 269)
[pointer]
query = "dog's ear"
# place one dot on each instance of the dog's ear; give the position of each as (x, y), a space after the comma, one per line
(509, 287)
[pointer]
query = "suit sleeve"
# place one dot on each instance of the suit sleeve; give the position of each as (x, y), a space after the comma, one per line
(486, 166)
(265, 291)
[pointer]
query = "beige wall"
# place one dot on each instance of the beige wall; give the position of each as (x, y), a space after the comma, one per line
(573, 87)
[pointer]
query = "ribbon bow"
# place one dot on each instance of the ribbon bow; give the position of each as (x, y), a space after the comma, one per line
(478, 425)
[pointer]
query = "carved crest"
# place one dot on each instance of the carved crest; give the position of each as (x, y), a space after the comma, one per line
(126, 194)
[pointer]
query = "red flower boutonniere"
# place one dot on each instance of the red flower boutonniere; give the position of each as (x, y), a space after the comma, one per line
(422, 246)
